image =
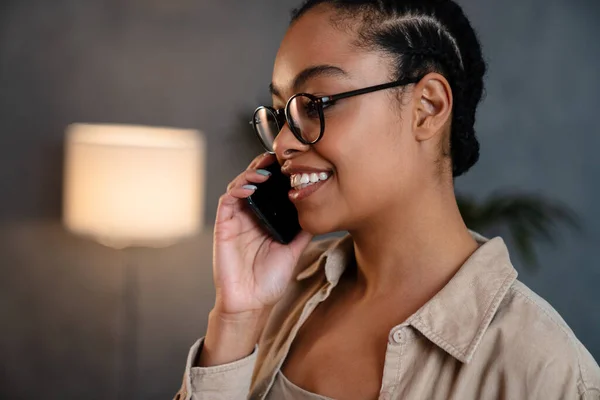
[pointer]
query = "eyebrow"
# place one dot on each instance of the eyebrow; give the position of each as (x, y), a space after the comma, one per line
(310, 73)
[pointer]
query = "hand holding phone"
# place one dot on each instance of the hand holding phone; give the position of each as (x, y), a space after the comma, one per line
(251, 268)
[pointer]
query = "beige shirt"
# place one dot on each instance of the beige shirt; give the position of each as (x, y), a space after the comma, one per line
(283, 389)
(485, 335)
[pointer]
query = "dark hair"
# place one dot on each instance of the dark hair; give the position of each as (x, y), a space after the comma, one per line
(425, 36)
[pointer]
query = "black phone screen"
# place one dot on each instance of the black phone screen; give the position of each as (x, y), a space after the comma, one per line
(273, 208)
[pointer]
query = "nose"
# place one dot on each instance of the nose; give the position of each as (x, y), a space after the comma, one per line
(287, 146)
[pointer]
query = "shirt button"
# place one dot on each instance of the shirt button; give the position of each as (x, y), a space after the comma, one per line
(397, 337)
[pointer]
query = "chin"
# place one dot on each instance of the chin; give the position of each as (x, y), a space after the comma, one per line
(317, 223)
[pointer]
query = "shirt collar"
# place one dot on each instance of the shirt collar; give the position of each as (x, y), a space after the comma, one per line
(334, 260)
(456, 318)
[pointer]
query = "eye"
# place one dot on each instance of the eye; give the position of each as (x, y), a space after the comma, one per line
(328, 104)
(311, 109)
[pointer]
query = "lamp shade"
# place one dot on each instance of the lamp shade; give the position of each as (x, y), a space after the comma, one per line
(133, 185)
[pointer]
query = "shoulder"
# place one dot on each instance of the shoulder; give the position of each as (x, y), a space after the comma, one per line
(537, 342)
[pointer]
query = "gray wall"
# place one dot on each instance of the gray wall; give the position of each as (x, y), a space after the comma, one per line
(539, 132)
(201, 64)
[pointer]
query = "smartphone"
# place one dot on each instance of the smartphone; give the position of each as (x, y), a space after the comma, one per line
(273, 208)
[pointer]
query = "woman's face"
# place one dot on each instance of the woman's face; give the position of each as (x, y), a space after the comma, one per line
(368, 146)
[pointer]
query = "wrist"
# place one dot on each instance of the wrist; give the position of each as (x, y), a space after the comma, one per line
(234, 318)
(230, 337)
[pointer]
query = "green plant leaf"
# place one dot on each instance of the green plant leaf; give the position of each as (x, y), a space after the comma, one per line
(529, 218)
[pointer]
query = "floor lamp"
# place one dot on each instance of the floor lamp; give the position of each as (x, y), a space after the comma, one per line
(131, 186)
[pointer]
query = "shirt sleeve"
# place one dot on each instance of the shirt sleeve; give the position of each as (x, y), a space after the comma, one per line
(222, 382)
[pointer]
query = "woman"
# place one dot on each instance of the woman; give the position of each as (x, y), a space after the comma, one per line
(411, 304)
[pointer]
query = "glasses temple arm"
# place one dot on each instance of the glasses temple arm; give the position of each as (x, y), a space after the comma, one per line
(371, 89)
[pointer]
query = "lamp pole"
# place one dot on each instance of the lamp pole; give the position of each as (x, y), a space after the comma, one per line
(128, 330)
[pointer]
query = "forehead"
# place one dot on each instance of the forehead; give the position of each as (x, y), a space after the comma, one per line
(313, 40)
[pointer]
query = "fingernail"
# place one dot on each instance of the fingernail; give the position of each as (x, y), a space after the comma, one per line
(249, 187)
(263, 172)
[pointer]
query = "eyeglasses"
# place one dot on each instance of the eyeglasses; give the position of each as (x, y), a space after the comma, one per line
(304, 114)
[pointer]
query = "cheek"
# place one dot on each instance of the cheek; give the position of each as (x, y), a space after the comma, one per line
(373, 155)
(356, 130)
(372, 139)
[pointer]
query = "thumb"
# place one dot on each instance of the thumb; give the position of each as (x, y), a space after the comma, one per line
(300, 243)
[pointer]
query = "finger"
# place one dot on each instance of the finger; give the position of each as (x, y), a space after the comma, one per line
(241, 192)
(262, 161)
(249, 176)
(230, 202)
(235, 181)
(299, 243)
(226, 208)
(255, 176)
(259, 162)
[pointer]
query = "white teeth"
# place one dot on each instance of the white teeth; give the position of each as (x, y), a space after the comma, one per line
(300, 181)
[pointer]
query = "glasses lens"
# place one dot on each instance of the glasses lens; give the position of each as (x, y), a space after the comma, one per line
(266, 127)
(305, 116)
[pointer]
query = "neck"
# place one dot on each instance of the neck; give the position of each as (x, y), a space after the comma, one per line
(411, 252)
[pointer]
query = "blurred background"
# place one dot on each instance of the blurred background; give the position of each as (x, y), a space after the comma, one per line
(206, 65)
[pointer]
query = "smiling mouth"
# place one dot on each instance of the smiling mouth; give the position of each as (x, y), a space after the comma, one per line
(300, 181)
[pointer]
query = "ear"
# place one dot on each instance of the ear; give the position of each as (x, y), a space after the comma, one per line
(432, 105)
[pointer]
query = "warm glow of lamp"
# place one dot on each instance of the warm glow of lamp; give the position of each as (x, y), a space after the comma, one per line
(133, 185)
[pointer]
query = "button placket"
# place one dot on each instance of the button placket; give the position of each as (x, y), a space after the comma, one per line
(393, 362)
(398, 339)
